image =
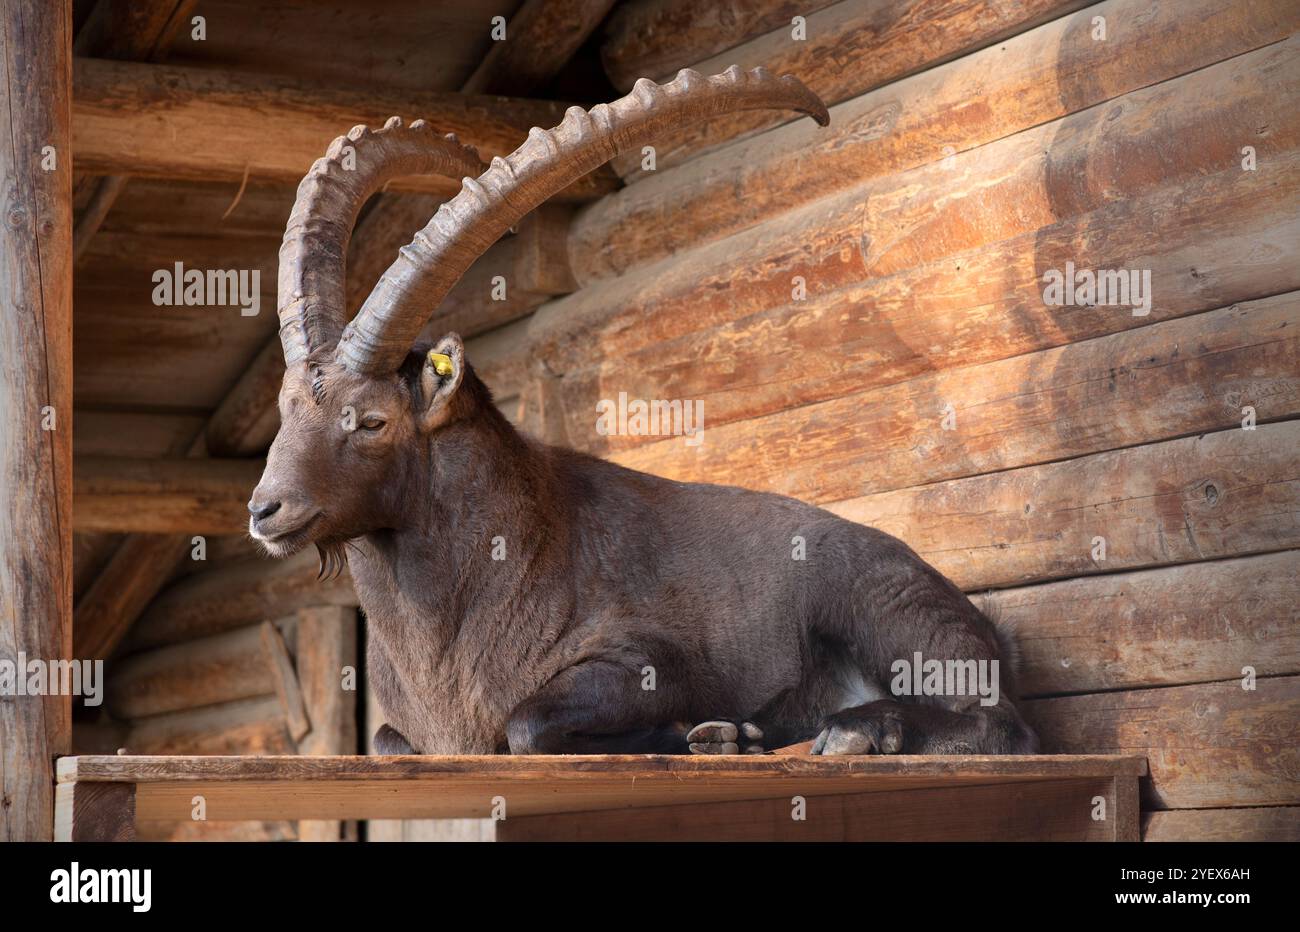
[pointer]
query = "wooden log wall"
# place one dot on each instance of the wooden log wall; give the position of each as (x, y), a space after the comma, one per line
(861, 311)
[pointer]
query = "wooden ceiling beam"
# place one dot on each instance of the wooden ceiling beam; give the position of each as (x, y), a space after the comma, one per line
(541, 38)
(163, 496)
(127, 30)
(203, 124)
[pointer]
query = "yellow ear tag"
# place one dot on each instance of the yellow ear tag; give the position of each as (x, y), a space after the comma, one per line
(441, 363)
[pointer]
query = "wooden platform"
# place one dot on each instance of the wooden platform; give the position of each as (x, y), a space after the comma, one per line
(625, 797)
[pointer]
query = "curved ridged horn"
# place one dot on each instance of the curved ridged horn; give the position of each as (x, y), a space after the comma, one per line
(311, 284)
(406, 296)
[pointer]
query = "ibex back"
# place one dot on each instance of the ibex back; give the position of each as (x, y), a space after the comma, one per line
(526, 598)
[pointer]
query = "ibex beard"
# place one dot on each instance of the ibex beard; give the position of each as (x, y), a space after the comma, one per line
(525, 598)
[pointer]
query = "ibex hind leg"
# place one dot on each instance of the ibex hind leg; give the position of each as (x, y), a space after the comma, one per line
(898, 608)
(889, 726)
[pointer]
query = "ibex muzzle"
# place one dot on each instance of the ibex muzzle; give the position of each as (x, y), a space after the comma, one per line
(530, 599)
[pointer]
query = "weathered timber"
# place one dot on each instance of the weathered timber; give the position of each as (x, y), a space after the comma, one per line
(1030, 182)
(431, 786)
(245, 726)
(1208, 746)
(1164, 627)
(132, 30)
(541, 37)
(1045, 811)
(127, 30)
(1266, 823)
(164, 121)
(1170, 379)
(206, 671)
(854, 46)
(185, 496)
(35, 398)
(1207, 243)
(655, 38)
(327, 648)
(128, 583)
(94, 812)
(285, 680)
(241, 594)
(1231, 493)
(1037, 77)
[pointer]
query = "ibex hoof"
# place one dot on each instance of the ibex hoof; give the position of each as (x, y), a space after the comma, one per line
(388, 740)
(721, 736)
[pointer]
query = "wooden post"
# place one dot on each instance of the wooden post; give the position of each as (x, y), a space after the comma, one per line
(35, 398)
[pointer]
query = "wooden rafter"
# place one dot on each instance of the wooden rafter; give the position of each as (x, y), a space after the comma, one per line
(205, 124)
(127, 30)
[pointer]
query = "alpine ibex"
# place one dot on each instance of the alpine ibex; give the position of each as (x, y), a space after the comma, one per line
(631, 613)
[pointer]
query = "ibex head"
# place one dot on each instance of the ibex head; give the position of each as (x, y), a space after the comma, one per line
(355, 400)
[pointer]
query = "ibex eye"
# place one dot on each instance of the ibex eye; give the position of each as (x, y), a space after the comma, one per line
(373, 423)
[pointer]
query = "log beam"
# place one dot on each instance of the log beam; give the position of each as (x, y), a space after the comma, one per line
(229, 597)
(655, 38)
(35, 399)
(165, 496)
(850, 48)
(1039, 76)
(198, 123)
(540, 39)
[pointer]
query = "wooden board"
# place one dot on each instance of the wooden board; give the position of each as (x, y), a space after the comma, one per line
(1273, 823)
(1161, 627)
(238, 788)
(1224, 494)
(1209, 745)
(1049, 810)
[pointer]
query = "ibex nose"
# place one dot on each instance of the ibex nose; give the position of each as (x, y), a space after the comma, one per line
(260, 510)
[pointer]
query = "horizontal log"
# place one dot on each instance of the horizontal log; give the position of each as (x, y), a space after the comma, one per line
(1231, 493)
(541, 37)
(1170, 379)
(1207, 746)
(181, 496)
(206, 671)
(204, 124)
(248, 726)
(1035, 78)
(1020, 185)
(1182, 624)
(655, 38)
(1206, 243)
(1268, 823)
(854, 46)
(134, 433)
(237, 595)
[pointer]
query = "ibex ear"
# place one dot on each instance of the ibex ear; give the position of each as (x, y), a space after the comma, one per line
(444, 367)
